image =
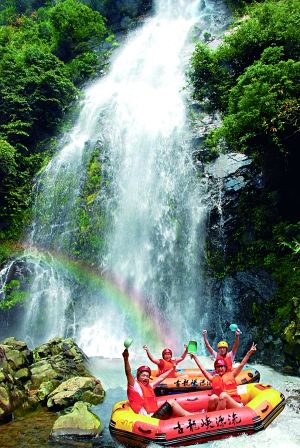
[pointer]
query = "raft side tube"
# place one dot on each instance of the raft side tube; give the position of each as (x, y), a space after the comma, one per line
(262, 405)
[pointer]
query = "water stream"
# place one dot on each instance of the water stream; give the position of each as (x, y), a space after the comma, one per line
(147, 256)
(146, 279)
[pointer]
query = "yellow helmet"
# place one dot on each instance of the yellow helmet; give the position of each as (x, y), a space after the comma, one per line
(222, 344)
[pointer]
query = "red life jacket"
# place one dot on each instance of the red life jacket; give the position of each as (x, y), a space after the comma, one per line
(147, 401)
(228, 359)
(164, 366)
(225, 383)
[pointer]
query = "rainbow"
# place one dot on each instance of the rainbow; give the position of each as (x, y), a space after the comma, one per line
(146, 321)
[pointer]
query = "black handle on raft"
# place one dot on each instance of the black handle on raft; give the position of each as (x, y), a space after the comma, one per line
(192, 399)
(145, 431)
(265, 409)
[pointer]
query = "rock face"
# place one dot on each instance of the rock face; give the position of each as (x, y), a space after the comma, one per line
(14, 372)
(80, 422)
(236, 293)
(54, 372)
(78, 388)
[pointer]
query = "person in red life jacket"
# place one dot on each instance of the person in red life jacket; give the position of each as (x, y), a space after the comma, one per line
(166, 362)
(222, 347)
(141, 394)
(224, 387)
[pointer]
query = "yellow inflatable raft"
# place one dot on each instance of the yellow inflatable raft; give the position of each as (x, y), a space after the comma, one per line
(190, 380)
(262, 404)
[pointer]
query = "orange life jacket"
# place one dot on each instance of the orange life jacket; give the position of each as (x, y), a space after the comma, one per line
(164, 366)
(147, 401)
(228, 359)
(225, 383)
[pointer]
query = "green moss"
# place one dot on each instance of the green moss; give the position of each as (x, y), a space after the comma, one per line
(12, 299)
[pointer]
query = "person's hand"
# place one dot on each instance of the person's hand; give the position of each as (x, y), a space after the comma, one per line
(192, 355)
(204, 332)
(185, 347)
(145, 347)
(125, 354)
(237, 332)
(252, 349)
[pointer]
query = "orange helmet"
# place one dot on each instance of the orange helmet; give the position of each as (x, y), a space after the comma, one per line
(165, 351)
(222, 344)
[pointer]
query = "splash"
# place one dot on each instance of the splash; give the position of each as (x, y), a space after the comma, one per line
(142, 321)
(148, 281)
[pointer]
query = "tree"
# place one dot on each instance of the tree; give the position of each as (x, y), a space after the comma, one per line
(271, 23)
(77, 26)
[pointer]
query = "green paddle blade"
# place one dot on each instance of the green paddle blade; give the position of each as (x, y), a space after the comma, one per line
(192, 347)
(128, 342)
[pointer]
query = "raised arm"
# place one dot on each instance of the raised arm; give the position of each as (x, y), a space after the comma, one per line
(164, 375)
(236, 342)
(207, 344)
(207, 375)
(181, 358)
(155, 361)
(129, 376)
(237, 369)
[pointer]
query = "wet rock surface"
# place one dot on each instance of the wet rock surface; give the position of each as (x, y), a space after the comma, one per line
(79, 422)
(237, 294)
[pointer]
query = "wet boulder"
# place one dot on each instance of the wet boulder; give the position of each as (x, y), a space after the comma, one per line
(87, 389)
(59, 359)
(46, 388)
(5, 402)
(80, 422)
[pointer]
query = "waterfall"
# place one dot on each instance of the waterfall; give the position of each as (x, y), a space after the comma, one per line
(149, 267)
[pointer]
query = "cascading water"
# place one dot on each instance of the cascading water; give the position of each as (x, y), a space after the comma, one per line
(150, 197)
(155, 239)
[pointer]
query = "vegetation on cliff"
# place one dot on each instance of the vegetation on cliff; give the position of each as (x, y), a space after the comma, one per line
(47, 49)
(252, 78)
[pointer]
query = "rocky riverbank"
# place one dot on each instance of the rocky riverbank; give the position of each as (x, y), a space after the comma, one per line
(53, 376)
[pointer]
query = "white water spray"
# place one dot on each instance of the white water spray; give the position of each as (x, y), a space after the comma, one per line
(154, 242)
(156, 237)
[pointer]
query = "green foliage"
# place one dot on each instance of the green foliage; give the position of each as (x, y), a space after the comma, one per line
(35, 91)
(271, 23)
(38, 88)
(7, 159)
(13, 295)
(208, 77)
(76, 26)
(121, 14)
(92, 220)
(83, 67)
(263, 105)
(253, 78)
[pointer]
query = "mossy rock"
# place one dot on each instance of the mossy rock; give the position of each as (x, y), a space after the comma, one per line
(80, 422)
(22, 374)
(46, 388)
(74, 389)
